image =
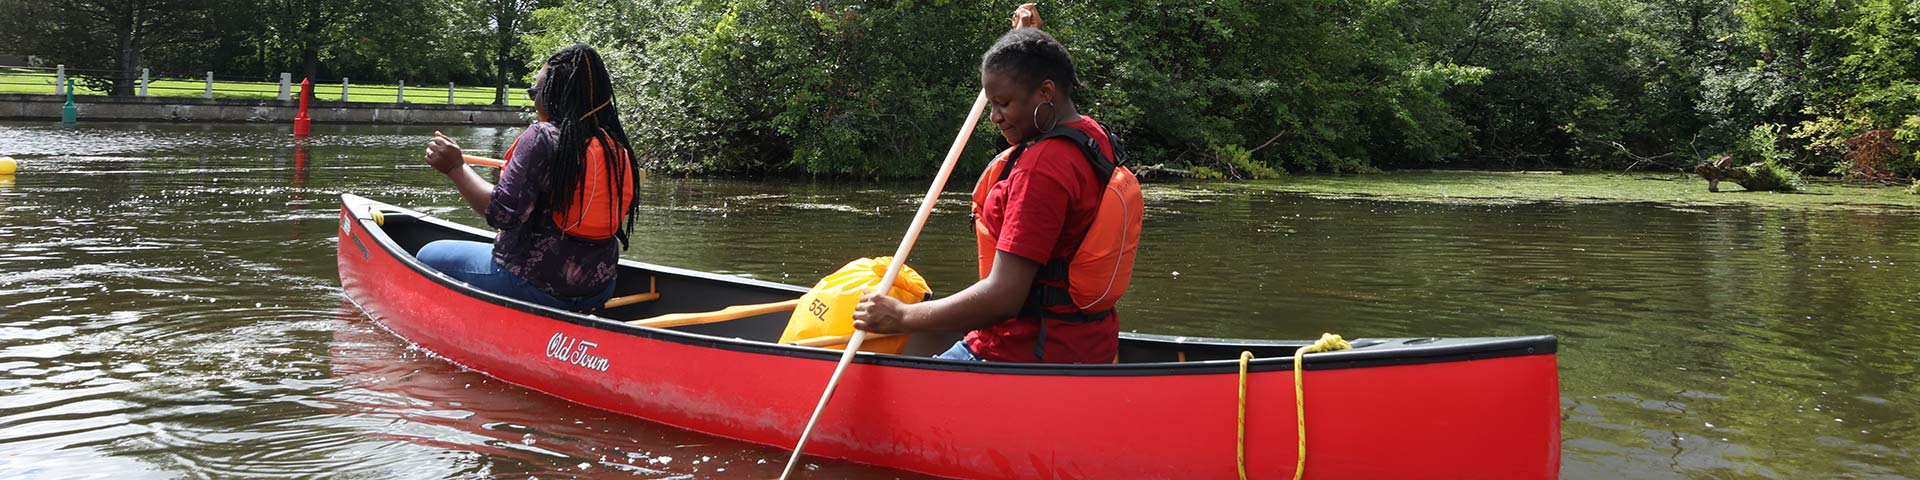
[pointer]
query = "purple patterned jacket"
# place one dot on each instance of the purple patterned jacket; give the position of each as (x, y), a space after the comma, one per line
(530, 245)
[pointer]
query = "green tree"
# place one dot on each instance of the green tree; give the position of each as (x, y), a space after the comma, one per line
(299, 32)
(1868, 113)
(375, 40)
(108, 35)
(863, 88)
(507, 25)
(755, 86)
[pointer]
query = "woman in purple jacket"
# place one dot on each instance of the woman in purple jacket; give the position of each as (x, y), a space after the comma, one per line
(564, 204)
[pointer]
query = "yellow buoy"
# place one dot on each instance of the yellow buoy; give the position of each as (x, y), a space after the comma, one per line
(7, 165)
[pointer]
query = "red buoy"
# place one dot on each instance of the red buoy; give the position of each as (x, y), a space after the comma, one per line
(301, 124)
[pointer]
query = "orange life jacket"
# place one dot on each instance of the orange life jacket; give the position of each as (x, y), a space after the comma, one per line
(591, 216)
(1098, 273)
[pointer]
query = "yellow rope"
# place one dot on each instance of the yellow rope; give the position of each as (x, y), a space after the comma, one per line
(1328, 342)
(1240, 441)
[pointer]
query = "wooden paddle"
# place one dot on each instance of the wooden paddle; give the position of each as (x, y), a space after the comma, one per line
(730, 313)
(824, 342)
(484, 161)
(639, 176)
(893, 269)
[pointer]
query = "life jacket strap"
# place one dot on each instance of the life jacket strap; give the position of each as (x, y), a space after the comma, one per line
(1102, 169)
(1041, 297)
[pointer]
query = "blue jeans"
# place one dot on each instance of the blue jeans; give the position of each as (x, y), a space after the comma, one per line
(472, 262)
(960, 352)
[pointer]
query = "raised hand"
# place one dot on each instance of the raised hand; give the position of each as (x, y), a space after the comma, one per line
(1027, 16)
(443, 153)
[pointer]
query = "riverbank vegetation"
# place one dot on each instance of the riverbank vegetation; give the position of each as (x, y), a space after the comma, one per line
(869, 88)
(1222, 89)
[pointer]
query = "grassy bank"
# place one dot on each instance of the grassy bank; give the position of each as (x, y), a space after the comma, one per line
(1503, 188)
(28, 81)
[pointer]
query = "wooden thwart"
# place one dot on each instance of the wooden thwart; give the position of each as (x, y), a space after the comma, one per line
(721, 315)
(652, 293)
(617, 302)
(834, 341)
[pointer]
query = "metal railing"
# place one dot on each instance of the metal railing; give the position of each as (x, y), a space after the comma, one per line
(43, 80)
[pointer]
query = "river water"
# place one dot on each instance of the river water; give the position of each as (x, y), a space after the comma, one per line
(169, 307)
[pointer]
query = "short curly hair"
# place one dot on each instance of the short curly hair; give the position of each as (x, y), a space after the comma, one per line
(1031, 56)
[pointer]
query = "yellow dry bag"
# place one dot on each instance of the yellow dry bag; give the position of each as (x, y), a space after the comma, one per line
(828, 310)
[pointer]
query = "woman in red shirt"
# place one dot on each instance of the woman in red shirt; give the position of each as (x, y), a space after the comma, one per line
(1038, 215)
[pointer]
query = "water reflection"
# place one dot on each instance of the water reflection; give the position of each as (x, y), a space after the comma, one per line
(299, 167)
(423, 404)
(169, 307)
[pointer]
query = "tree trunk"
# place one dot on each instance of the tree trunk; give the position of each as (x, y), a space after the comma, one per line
(126, 53)
(310, 32)
(505, 21)
(500, 83)
(128, 80)
(310, 61)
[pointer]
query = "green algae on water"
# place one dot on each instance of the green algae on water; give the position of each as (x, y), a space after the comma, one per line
(1670, 189)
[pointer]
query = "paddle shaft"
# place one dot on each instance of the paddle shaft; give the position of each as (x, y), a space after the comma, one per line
(484, 161)
(893, 269)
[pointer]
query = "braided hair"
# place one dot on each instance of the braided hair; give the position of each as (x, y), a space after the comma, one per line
(1031, 56)
(578, 96)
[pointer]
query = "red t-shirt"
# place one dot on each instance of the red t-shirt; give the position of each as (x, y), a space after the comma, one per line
(1041, 212)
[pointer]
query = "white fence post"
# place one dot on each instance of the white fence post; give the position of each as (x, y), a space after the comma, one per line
(400, 95)
(59, 79)
(343, 89)
(449, 93)
(144, 80)
(286, 84)
(209, 85)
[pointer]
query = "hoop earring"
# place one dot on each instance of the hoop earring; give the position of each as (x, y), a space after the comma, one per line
(1036, 118)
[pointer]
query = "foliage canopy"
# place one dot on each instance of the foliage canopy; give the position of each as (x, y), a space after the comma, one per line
(868, 87)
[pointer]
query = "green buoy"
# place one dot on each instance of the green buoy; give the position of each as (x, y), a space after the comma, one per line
(69, 114)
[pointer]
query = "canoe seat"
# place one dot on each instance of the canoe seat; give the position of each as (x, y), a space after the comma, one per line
(721, 315)
(835, 341)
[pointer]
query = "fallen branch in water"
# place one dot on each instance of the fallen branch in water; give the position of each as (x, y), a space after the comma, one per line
(1161, 169)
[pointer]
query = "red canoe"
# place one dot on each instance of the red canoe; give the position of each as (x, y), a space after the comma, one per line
(1483, 408)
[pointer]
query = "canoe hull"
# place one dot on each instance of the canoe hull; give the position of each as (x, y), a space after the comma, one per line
(1475, 418)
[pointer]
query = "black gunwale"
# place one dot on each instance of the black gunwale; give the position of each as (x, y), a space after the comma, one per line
(1471, 349)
